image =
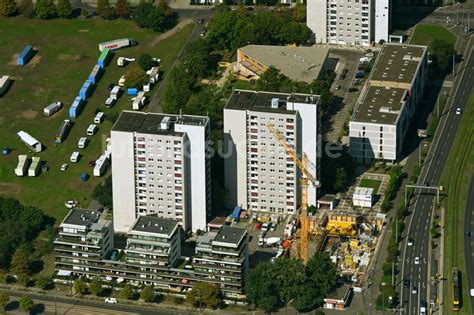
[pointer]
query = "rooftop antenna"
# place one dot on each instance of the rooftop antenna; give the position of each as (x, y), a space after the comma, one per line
(180, 114)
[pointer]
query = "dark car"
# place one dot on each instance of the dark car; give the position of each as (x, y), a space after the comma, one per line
(91, 163)
(342, 76)
(467, 233)
(406, 282)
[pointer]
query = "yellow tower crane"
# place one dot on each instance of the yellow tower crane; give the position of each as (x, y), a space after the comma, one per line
(305, 179)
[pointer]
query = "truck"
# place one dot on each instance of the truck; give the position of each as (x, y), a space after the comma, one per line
(52, 108)
(22, 165)
(4, 84)
(117, 44)
(34, 167)
(123, 61)
(268, 242)
(139, 101)
(31, 142)
(62, 131)
(104, 58)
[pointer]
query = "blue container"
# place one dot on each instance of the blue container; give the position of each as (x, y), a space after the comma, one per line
(5, 151)
(76, 107)
(132, 91)
(84, 93)
(25, 55)
(104, 58)
(359, 74)
(95, 74)
(84, 177)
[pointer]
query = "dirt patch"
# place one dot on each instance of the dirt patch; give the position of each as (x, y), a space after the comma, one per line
(33, 62)
(7, 189)
(14, 60)
(28, 114)
(70, 57)
(169, 33)
(84, 31)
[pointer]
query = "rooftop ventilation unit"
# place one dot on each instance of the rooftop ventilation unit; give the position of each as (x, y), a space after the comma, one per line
(165, 123)
(275, 102)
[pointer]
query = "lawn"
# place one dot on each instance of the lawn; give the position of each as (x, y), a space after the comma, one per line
(67, 52)
(455, 179)
(370, 183)
(425, 34)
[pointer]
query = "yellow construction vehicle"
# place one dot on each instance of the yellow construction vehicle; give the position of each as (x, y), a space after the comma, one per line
(305, 179)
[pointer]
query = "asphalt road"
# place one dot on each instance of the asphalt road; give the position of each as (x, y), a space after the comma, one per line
(469, 241)
(419, 222)
(52, 304)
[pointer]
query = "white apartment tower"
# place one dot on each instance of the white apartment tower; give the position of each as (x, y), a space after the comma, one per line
(259, 174)
(160, 166)
(349, 22)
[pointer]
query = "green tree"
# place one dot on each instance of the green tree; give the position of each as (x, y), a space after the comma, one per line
(26, 8)
(43, 282)
(45, 9)
(104, 9)
(103, 192)
(8, 7)
(4, 299)
(80, 287)
(148, 294)
(341, 179)
(198, 59)
(145, 62)
(178, 90)
(27, 304)
(21, 263)
(441, 53)
(204, 295)
(127, 292)
(122, 9)
(135, 77)
(141, 12)
(260, 287)
(64, 8)
(95, 286)
(298, 13)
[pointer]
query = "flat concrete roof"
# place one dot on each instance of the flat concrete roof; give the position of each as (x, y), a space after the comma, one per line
(150, 123)
(82, 217)
(262, 101)
(230, 235)
(297, 63)
(155, 225)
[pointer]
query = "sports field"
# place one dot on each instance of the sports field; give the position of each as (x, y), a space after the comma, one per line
(67, 52)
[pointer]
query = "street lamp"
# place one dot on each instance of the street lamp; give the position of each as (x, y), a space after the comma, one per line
(419, 152)
(383, 297)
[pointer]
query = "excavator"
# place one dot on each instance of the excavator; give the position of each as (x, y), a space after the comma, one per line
(306, 178)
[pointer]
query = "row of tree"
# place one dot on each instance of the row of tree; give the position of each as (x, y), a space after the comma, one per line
(44, 9)
(285, 282)
(26, 303)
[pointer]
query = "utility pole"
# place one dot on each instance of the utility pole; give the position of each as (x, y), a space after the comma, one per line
(437, 104)
(454, 61)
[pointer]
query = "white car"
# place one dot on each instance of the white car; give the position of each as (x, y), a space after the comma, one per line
(472, 292)
(458, 111)
(70, 204)
(417, 260)
(64, 167)
(414, 290)
(410, 242)
(111, 300)
(265, 227)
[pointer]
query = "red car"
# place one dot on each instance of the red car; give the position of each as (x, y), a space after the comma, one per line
(258, 226)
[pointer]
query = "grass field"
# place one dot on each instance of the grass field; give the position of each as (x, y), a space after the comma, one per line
(456, 178)
(371, 183)
(425, 34)
(67, 52)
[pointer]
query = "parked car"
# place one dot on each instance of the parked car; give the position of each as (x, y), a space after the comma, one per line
(111, 300)
(338, 87)
(273, 227)
(70, 204)
(200, 21)
(91, 163)
(265, 227)
(467, 233)
(258, 226)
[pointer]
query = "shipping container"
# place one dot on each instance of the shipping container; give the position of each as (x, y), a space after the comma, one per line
(31, 142)
(86, 89)
(101, 165)
(104, 58)
(25, 55)
(35, 166)
(4, 84)
(52, 108)
(22, 166)
(115, 44)
(132, 91)
(63, 131)
(95, 74)
(76, 107)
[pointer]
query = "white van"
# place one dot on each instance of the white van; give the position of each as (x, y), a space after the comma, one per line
(99, 117)
(74, 157)
(82, 143)
(91, 130)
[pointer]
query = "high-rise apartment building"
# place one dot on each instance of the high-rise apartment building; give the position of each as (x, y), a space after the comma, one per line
(259, 174)
(161, 166)
(349, 22)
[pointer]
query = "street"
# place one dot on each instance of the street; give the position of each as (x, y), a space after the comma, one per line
(420, 218)
(469, 240)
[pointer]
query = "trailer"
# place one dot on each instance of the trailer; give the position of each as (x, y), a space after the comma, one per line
(101, 165)
(122, 80)
(154, 74)
(115, 91)
(117, 44)
(63, 131)
(95, 74)
(139, 101)
(104, 58)
(123, 61)
(99, 117)
(52, 108)
(4, 84)
(35, 166)
(110, 101)
(22, 165)
(86, 89)
(76, 107)
(31, 142)
(25, 55)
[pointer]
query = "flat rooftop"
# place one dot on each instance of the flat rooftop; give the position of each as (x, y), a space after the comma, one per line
(230, 235)
(82, 217)
(154, 225)
(150, 123)
(397, 63)
(262, 101)
(297, 63)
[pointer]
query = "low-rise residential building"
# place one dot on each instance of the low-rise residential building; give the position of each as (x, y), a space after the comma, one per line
(388, 102)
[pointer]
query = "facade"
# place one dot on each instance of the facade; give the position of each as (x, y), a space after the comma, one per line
(349, 22)
(259, 174)
(152, 256)
(222, 258)
(388, 103)
(161, 166)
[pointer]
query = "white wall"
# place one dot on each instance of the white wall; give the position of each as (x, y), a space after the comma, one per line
(316, 19)
(123, 180)
(382, 20)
